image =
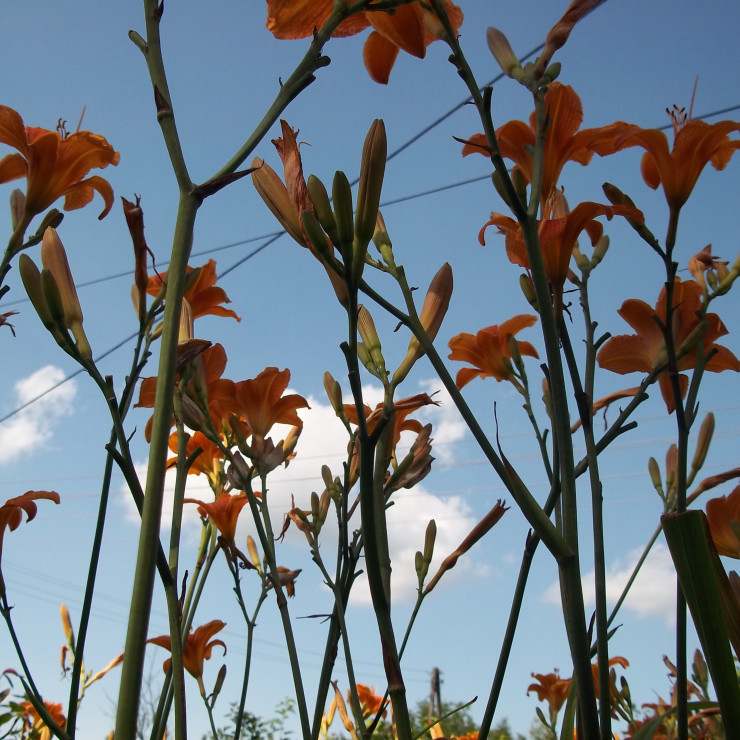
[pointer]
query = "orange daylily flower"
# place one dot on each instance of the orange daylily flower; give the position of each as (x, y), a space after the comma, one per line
(722, 513)
(645, 351)
(488, 350)
(400, 422)
(11, 515)
(55, 164)
(209, 461)
(695, 143)
(563, 142)
(552, 689)
(202, 294)
(407, 28)
(37, 725)
(558, 234)
(223, 513)
(196, 649)
(261, 402)
(371, 703)
(219, 391)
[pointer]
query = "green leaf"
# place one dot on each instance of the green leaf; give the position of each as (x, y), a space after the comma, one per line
(705, 586)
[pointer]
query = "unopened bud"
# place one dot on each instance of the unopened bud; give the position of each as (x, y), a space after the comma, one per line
(31, 277)
(217, 686)
(67, 625)
(600, 250)
(366, 329)
(342, 197)
(54, 258)
(498, 183)
(315, 234)
(433, 311)
(702, 444)
(254, 554)
(527, 288)
(372, 169)
(272, 190)
(322, 207)
(334, 394)
(551, 73)
(502, 51)
(655, 477)
(383, 242)
(17, 207)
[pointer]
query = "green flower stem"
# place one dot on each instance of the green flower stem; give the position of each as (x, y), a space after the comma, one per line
(340, 602)
(682, 716)
(584, 398)
(263, 523)
(524, 499)
(570, 578)
(177, 637)
(15, 245)
(74, 685)
(347, 557)
(132, 671)
(373, 465)
(251, 623)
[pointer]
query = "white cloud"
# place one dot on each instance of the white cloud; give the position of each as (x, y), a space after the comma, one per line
(324, 442)
(653, 594)
(35, 424)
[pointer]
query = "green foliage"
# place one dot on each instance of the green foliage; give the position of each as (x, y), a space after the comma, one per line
(253, 727)
(456, 725)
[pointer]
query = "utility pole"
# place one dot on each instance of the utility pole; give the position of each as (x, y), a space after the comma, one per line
(435, 700)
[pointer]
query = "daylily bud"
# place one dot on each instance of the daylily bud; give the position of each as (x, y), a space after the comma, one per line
(217, 686)
(429, 538)
(366, 329)
(433, 311)
(67, 625)
(372, 169)
(478, 531)
(322, 207)
(655, 477)
(383, 242)
(498, 183)
(334, 394)
(702, 444)
(272, 190)
(501, 49)
(315, 234)
(551, 73)
(53, 299)
(17, 207)
(671, 468)
(600, 250)
(54, 258)
(342, 196)
(254, 554)
(527, 287)
(520, 185)
(31, 277)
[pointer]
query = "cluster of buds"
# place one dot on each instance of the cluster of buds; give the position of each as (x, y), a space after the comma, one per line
(54, 296)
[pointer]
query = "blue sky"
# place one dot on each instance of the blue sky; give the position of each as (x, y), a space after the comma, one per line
(629, 60)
